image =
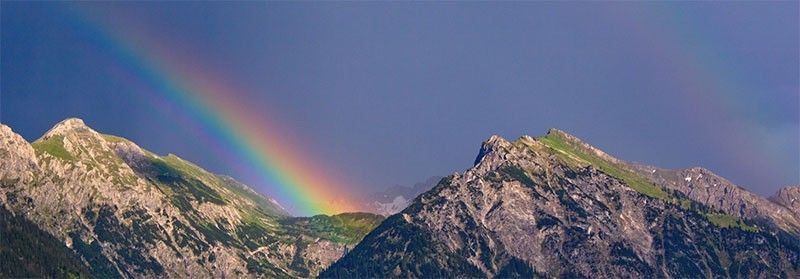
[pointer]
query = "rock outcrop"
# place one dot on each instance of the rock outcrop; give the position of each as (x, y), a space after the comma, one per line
(788, 197)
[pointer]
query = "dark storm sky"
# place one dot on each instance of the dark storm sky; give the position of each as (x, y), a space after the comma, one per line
(392, 93)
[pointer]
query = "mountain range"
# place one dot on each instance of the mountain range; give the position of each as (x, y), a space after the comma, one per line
(77, 202)
(122, 211)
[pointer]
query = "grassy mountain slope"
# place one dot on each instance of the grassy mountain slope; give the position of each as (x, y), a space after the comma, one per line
(128, 212)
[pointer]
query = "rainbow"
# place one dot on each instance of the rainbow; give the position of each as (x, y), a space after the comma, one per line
(195, 96)
(712, 85)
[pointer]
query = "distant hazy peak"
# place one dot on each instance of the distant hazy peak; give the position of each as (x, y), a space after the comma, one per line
(68, 126)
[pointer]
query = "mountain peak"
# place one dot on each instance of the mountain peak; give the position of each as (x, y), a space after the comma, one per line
(555, 132)
(496, 140)
(494, 143)
(72, 121)
(68, 126)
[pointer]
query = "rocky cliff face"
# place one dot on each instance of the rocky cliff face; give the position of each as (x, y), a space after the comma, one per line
(789, 197)
(130, 213)
(557, 207)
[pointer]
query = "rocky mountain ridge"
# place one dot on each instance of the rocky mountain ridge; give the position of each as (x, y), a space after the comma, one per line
(555, 206)
(128, 212)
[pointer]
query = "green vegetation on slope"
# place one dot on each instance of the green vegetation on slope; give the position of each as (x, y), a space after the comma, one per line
(728, 221)
(569, 150)
(302, 232)
(113, 139)
(179, 180)
(346, 228)
(263, 205)
(564, 146)
(53, 146)
(182, 177)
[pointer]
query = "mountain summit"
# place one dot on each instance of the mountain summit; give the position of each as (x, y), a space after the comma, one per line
(555, 206)
(67, 126)
(80, 203)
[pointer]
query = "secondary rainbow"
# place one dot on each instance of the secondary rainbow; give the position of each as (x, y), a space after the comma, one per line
(712, 85)
(200, 97)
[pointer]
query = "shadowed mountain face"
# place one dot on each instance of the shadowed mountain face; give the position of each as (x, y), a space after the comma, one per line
(123, 211)
(28, 251)
(557, 207)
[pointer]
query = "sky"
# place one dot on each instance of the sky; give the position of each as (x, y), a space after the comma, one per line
(377, 94)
